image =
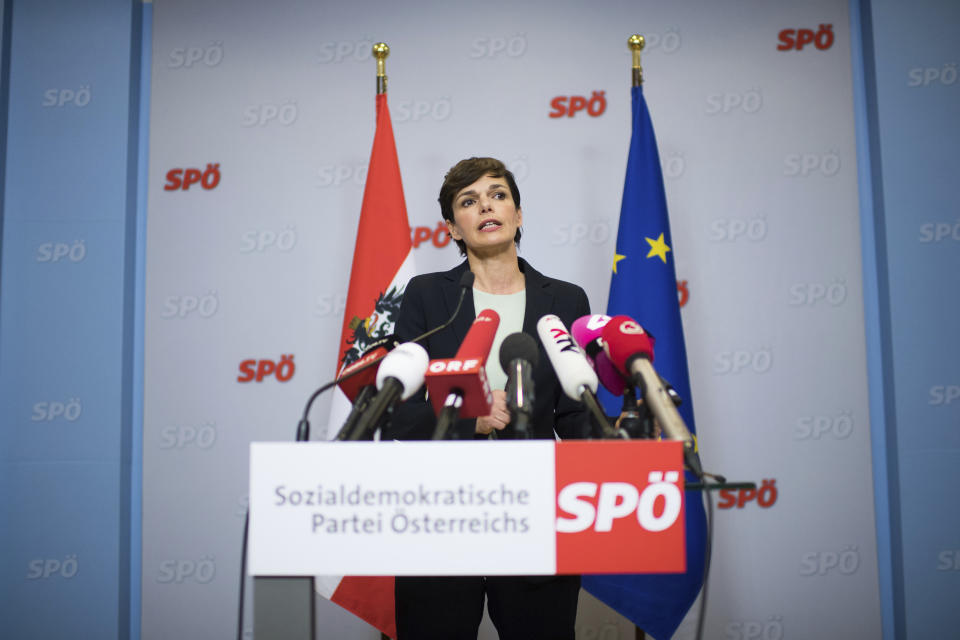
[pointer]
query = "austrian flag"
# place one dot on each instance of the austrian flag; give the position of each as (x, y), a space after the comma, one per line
(382, 265)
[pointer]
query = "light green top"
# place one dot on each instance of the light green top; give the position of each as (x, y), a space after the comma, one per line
(510, 308)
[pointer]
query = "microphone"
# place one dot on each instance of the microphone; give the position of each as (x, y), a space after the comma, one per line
(630, 349)
(587, 331)
(358, 380)
(458, 386)
(518, 357)
(360, 375)
(360, 372)
(399, 376)
(576, 376)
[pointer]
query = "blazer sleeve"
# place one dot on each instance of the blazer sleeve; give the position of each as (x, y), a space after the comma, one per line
(412, 419)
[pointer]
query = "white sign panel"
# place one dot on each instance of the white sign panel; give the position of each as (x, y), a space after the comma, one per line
(402, 508)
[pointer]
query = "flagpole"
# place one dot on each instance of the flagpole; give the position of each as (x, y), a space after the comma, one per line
(380, 52)
(636, 43)
(382, 264)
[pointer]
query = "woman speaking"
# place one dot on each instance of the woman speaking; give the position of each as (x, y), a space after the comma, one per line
(480, 203)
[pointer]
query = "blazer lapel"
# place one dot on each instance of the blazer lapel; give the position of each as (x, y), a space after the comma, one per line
(451, 294)
(539, 301)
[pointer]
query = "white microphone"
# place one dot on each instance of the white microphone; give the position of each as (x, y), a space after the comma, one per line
(399, 376)
(577, 378)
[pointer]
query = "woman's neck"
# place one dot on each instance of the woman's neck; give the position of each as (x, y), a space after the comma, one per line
(499, 274)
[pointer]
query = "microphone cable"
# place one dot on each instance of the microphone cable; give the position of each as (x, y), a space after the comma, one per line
(303, 427)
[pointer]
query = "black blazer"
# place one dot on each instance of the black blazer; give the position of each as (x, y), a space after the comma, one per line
(429, 301)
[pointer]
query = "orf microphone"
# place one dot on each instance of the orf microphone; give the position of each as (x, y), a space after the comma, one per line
(518, 357)
(587, 331)
(576, 376)
(631, 351)
(458, 386)
(399, 376)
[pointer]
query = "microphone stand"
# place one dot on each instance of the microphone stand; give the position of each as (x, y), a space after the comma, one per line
(448, 416)
(636, 419)
(640, 420)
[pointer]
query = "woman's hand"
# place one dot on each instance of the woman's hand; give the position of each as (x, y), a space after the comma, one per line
(499, 414)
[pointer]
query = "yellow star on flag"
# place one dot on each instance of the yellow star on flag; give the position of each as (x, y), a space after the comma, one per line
(658, 248)
(617, 258)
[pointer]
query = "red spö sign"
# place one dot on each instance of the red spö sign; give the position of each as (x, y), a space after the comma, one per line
(620, 507)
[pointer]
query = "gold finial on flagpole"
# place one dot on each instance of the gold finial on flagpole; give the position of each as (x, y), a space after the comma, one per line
(380, 52)
(636, 44)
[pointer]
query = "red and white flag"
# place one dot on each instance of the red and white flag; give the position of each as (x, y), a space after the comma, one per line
(382, 265)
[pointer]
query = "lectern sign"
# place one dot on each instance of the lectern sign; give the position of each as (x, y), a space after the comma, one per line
(465, 508)
(619, 507)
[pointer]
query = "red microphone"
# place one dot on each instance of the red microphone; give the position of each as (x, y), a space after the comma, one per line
(458, 386)
(351, 386)
(357, 381)
(630, 348)
(624, 341)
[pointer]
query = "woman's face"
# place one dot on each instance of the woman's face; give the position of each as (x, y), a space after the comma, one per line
(485, 216)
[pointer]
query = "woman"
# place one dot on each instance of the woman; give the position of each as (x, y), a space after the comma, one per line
(480, 204)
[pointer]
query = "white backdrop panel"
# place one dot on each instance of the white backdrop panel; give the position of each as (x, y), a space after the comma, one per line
(757, 147)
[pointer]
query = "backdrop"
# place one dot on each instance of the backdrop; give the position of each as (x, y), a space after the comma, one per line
(261, 125)
(265, 114)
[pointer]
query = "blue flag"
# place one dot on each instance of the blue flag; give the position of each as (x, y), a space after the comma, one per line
(644, 287)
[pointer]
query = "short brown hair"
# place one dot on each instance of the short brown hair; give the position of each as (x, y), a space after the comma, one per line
(465, 173)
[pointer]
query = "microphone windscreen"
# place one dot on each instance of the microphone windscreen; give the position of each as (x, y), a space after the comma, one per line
(573, 370)
(624, 339)
(466, 280)
(588, 332)
(408, 364)
(479, 339)
(518, 346)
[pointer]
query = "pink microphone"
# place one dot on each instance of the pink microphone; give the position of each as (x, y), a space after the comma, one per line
(588, 332)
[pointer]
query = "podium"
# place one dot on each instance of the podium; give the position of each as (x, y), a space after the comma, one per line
(532, 507)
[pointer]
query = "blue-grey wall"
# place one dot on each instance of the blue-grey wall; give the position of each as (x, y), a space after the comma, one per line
(913, 98)
(70, 106)
(70, 322)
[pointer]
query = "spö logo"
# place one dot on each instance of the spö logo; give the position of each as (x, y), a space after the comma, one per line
(615, 504)
(67, 97)
(262, 115)
(191, 306)
(187, 57)
(254, 370)
(569, 106)
(499, 46)
(183, 179)
(796, 39)
(264, 240)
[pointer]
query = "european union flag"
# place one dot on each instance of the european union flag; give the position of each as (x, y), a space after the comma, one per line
(644, 287)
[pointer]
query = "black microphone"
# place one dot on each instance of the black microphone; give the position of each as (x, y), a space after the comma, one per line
(360, 405)
(400, 376)
(518, 356)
